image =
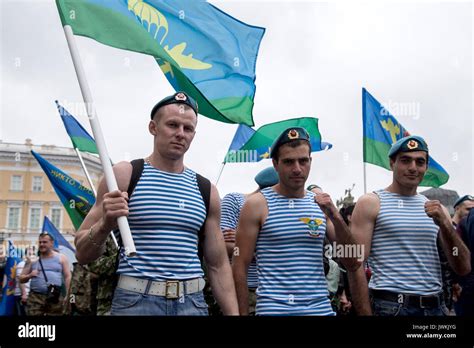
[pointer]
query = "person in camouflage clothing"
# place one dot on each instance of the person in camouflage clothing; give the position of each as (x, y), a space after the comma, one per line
(92, 285)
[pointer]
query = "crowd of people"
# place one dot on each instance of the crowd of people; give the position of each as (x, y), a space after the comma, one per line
(283, 249)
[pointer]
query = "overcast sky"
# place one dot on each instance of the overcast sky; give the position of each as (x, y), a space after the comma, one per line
(314, 59)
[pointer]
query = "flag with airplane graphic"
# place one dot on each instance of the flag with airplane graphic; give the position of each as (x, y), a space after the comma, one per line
(201, 50)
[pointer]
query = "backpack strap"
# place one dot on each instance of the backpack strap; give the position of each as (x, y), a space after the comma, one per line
(205, 189)
(137, 170)
(204, 186)
(42, 269)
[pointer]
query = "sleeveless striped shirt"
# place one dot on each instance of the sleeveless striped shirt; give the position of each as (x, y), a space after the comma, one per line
(166, 211)
(231, 207)
(290, 258)
(404, 256)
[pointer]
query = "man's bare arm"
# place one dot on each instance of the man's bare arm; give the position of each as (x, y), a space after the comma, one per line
(66, 271)
(27, 273)
(217, 261)
(363, 221)
(362, 228)
(103, 216)
(246, 239)
(457, 253)
(359, 291)
(338, 230)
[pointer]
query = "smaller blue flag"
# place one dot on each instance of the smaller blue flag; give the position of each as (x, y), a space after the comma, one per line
(80, 139)
(9, 282)
(241, 136)
(59, 240)
(76, 199)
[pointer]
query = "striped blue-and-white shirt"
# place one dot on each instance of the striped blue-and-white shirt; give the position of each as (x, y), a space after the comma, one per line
(290, 258)
(166, 211)
(231, 207)
(404, 257)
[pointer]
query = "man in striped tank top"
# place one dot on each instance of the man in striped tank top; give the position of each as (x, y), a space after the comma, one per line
(232, 204)
(285, 225)
(399, 229)
(166, 211)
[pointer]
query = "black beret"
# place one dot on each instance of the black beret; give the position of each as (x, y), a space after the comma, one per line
(177, 98)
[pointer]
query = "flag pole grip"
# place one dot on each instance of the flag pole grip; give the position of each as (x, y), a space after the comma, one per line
(110, 179)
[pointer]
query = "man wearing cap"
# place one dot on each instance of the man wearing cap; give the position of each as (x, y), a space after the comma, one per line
(285, 226)
(166, 212)
(462, 206)
(399, 229)
(232, 204)
(45, 273)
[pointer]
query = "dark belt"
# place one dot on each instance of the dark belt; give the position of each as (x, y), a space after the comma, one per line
(409, 300)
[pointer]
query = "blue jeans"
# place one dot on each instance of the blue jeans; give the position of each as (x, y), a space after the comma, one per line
(132, 303)
(389, 308)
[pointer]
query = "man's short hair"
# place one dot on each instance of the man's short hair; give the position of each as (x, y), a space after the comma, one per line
(44, 234)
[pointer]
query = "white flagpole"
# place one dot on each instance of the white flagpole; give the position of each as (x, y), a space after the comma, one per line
(220, 173)
(365, 178)
(86, 172)
(122, 221)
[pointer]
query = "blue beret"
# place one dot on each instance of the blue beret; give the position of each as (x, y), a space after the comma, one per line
(267, 177)
(177, 98)
(290, 134)
(463, 199)
(408, 144)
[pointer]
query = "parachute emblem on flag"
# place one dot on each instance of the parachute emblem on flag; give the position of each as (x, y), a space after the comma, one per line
(83, 205)
(148, 15)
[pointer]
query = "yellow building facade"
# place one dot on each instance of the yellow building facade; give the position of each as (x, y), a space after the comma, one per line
(26, 195)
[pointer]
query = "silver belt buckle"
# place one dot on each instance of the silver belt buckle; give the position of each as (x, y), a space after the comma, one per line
(172, 289)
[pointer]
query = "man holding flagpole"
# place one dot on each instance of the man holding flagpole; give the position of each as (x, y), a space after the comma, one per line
(166, 213)
(399, 229)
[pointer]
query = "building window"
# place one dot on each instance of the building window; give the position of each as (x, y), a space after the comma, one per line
(35, 214)
(37, 184)
(16, 183)
(56, 217)
(14, 214)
